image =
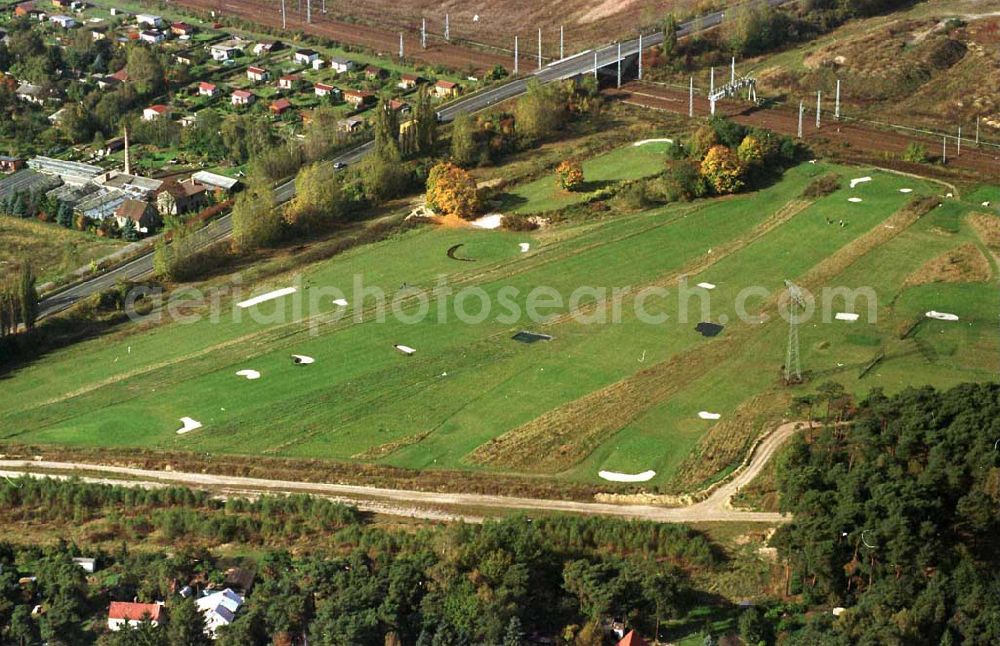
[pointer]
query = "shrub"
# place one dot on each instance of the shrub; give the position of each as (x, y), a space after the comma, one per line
(822, 186)
(569, 175)
(518, 223)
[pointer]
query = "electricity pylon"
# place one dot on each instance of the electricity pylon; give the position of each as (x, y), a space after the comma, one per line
(793, 364)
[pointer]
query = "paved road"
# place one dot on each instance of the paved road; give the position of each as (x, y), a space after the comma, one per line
(426, 504)
(583, 63)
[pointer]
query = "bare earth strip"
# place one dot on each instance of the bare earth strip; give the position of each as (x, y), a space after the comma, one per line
(423, 504)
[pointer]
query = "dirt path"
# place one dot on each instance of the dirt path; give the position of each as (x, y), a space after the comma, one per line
(425, 504)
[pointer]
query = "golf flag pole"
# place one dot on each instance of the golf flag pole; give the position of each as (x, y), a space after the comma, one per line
(836, 107)
(819, 99)
(619, 63)
(539, 48)
(640, 55)
(515, 55)
(691, 97)
(401, 44)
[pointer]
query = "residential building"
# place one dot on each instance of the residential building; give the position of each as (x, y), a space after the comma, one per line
(175, 198)
(322, 89)
(89, 565)
(143, 216)
(10, 164)
(207, 89)
(351, 124)
(408, 81)
(242, 97)
(215, 181)
(341, 65)
(266, 47)
(289, 82)
(446, 89)
(401, 107)
(31, 93)
(152, 37)
(66, 22)
(318, 64)
(154, 112)
(257, 74)
(373, 73)
(280, 107)
(305, 56)
(123, 614)
(100, 32)
(181, 29)
(219, 609)
(358, 98)
(149, 19)
(225, 51)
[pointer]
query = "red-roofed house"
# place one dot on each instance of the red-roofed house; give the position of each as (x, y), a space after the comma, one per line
(142, 214)
(154, 112)
(358, 98)
(401, 107)
(632, 639)
(207, 89)
(121, 75)
(280, 107)
(124, 614)
(322, 89)
(181, 29)
(257, 74)
(408, 81)
(445, 89)
(242, 97)
(373, 73)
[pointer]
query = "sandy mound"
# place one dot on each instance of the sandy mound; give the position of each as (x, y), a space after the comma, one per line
(249, 374)
(189, 425)
(278, 293)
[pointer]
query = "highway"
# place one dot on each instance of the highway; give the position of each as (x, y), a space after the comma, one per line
(576, 65)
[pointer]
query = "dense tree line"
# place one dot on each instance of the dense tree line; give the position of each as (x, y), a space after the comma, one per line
(896, 519)
(447, 585)
(18, 300)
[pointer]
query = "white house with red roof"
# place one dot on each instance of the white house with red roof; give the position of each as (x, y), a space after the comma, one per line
(257, 74)
(242, 97)
(154, 112)
(207, 89)
(323, 89)
(125, 614)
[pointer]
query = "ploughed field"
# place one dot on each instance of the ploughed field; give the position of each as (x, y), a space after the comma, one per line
(619, 387)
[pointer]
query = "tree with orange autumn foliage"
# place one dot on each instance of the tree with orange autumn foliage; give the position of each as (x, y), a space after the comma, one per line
(723, 170)
(451, 190)
(570, 175)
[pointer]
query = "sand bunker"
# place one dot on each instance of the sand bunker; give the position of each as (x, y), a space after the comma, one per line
(614, 476)
(941, 316)
(906, 190)
(302, 360)
(660, 140)
(249, 374)
(189, 425)
(278, 293)
(706, 285)
(340, 302)
(707, 415)
(860, 180)
(524, 246)
(530, 337)
(846, 316)
(854, 199)
(405, 349)
(491, 221)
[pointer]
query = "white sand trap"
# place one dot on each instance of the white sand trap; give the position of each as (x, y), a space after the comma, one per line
(405, 349)
(941, 316)
(986, 203)
(906, 190)
(524, 246)
(614, 476)
(302, 360)
(846, 316)
(653, 141)
(270, 296)
(491, 221)
(854, 199)
(860, 180)
(707, 415)
(189, 425)
(340, 302)
(249, 374)
(706, 285)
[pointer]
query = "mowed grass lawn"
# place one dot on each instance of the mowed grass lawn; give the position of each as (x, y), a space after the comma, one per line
(52, 249)
(469, 382)
(627, 162)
